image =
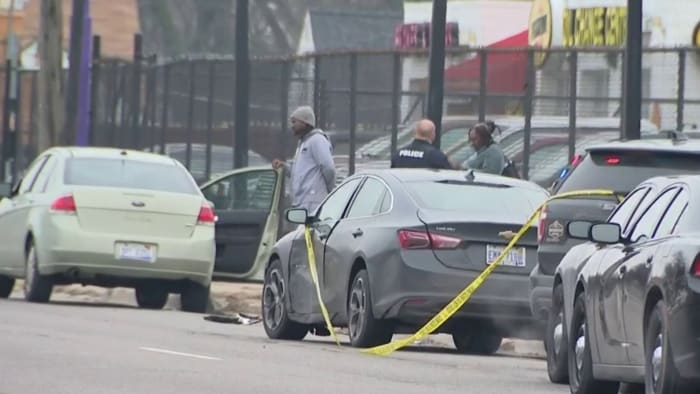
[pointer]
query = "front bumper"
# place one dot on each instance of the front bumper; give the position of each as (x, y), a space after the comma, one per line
(67, 251)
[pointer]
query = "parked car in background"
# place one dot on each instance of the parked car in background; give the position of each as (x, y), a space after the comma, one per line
(616, 166)
(111, 218)
(630, 295)
(393, 247)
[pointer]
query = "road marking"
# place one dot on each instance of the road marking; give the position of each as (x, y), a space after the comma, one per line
(164, 351)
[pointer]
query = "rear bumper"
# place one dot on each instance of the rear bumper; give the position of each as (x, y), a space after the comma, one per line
(85, 257)
(685, 339)
(421, 287)
(540, 293)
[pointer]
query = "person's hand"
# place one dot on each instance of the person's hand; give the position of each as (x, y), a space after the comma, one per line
(277, 163)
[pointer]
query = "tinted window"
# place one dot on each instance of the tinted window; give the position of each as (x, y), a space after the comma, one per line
(622, 171)
(626, 210)
(248, 190)
(44, 175)
(465, 197)
(649, 220)
(334, 206)
(31, 175)
(369, 199)
(131, 174)
(673, 215)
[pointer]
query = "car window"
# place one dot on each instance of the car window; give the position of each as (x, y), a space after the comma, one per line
(645, 227)
(621, 171)
(334, 205)
(32, 173)
(627, 208)
(128, 173)
(673, 215)
(369, 199)
(252, 190)
(44, 175)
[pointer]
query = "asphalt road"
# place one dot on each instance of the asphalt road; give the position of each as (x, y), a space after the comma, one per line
(72, 347)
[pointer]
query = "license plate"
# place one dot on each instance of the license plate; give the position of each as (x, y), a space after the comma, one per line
(515, 257)
(136, 251)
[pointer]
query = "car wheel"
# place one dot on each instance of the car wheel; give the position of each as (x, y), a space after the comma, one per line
(194, 298)
(37, 287)
(151, 297)
(363, 329)
(660, 374)
(555, 340)
(6, 286)
(276, 320)
(581, 379)
(476, 338)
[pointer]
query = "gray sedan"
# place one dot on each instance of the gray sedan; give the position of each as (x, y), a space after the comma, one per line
(393, 247)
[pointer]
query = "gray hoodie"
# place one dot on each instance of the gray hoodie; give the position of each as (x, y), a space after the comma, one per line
(312, 172)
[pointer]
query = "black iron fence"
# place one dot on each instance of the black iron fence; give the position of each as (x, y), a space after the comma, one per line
(185, 107)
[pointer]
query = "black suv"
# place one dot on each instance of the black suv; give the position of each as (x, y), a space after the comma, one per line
(617, 166)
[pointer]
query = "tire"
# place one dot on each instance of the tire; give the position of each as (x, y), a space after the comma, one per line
(477, 339)
(555, 339)
(276, 319)
(581, 379)
(363, 329)
(660, 374)
(6, 286)
(194, 298)
(151, 297)
(37, 287)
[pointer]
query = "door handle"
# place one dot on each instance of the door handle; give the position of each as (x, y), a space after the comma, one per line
(650, 259)
(623, 270)
(357, 233)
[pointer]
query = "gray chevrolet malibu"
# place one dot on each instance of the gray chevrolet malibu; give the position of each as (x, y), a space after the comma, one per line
(393, 247)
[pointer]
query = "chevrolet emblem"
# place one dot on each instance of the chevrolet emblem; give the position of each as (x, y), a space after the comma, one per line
(507, 234)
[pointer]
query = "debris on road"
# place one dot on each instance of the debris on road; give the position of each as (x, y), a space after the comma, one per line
(237, 318)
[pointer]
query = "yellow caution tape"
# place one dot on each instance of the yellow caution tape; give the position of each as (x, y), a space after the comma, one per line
(314, 278)
(456, 304)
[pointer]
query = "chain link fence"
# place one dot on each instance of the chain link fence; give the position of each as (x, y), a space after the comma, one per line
(546, 110)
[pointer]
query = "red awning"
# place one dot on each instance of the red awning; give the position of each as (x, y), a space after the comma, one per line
(506, 71)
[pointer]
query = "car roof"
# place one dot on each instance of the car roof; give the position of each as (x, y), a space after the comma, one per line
(103, 152)
(406, 175)
(654, 145)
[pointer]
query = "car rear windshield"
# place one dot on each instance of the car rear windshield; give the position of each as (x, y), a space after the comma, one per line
(131, 174)
(622, 171)
(467, 196)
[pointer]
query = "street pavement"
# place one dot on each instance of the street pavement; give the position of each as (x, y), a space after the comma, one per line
(72, 345)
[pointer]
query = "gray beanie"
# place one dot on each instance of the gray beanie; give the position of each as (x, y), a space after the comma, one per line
(305, 114)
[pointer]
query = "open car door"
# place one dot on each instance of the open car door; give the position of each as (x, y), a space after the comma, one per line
(247, 202)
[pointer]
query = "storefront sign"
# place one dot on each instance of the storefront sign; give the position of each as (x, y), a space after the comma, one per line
(696, 36)
(595, 27)
(417, 35)
(540, 29)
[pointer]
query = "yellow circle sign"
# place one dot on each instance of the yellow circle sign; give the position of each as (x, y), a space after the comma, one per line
(540, 29)
(696, 35)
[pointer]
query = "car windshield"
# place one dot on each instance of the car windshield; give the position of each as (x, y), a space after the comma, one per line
(131, 174)
(466, 196)
(622, 171)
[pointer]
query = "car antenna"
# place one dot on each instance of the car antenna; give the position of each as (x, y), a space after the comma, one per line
(470, 175)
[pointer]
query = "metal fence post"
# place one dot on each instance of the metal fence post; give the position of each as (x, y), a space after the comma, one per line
(190, 114)
(125, 107)
(529, 87)
(136, 108)
(682, 55)
(483, 81)
(353, 112)
(166, 102)
(395, 102)
(284, 108)
(317, 86)
(573, 100)
(153, 109)
(94, 88)
(210, 117)
(7, 114)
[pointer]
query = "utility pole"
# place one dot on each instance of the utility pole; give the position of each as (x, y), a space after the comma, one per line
(241, 119)
(10, 107)
(437, 66)
(50, 74)
(75, 59)
(631, 116)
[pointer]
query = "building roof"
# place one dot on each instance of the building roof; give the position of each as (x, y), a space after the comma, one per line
(335, 30)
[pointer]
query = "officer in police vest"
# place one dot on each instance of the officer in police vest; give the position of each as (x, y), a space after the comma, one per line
(421, 153)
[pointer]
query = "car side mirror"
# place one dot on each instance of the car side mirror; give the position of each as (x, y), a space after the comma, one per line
(606, 233)
(297, 215)
(579, 229)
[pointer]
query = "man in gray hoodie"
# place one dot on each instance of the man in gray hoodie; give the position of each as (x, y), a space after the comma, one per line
(312, 172)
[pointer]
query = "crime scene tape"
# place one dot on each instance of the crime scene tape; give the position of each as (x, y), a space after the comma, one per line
(456, 304)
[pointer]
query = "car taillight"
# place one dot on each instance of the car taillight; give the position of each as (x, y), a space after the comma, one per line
(206, 215)
(542, 224)
(612, 160)
(64, 204)
(412, 239)
(695, 269)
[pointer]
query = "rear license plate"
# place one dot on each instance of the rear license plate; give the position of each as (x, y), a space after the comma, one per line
(136, 251)
(515, 257)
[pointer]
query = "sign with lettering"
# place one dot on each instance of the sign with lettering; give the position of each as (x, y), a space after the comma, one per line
(595, 27)
(417, 35)
(540, 29)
